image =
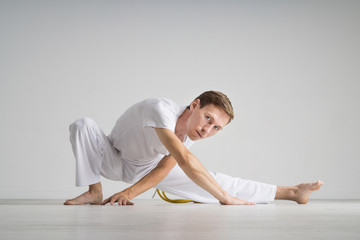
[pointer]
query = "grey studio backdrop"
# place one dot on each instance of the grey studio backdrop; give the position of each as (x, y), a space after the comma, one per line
(291, 69)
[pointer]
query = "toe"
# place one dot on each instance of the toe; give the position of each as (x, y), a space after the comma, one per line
(69, 202)
(319, 183)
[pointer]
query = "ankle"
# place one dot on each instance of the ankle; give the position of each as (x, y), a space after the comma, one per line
(95, 188)
(292, 193)
(286, 193)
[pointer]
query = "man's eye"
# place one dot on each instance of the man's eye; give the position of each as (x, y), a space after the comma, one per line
(208, 118)
(216, 128)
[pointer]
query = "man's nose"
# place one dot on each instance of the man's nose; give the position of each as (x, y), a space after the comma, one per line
(206, 130)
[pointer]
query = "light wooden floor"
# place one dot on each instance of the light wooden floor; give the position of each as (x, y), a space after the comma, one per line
(155, 219)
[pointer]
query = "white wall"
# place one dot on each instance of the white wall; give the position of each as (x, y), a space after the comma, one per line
(291, 69)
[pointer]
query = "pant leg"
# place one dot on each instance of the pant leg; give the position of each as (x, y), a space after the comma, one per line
(178, 183)
(94, 153)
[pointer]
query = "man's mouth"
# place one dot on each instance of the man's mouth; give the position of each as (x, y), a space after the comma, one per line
(199, 134)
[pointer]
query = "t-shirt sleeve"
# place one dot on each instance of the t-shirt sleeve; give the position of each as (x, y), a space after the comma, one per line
(159, 114)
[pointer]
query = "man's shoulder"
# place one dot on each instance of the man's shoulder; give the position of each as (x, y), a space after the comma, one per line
(155, 100)
(158, 102)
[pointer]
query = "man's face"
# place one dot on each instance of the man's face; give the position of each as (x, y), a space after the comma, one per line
(205, 122)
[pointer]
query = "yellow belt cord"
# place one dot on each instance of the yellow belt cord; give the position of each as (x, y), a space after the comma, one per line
(165, 198)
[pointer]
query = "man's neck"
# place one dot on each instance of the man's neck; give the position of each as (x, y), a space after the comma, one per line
(180, 128)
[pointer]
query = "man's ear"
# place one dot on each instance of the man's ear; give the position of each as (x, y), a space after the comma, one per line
(195, 103)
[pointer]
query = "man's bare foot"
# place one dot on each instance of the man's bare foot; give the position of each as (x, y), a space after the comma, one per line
(93, 196)
(302, 191)
(89, 197)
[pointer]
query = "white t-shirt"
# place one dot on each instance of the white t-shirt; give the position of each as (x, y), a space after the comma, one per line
(134, 134)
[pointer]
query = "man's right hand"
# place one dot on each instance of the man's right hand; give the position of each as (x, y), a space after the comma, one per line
(122, 198)
(236, 201)
(194, 169)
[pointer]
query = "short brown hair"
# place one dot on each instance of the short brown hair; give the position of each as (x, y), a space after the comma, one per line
(218, 99)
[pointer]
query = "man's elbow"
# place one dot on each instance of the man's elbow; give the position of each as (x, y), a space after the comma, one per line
(185, 161)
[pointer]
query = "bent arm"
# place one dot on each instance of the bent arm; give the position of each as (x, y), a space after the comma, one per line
(191, 165)
(153, 177)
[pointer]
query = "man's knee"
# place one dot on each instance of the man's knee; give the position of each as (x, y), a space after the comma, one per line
(81, 124)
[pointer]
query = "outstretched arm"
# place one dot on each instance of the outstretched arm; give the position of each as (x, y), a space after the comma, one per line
(148, 181)
(194, 169)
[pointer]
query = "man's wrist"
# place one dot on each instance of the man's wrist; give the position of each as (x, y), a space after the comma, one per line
(130, 192)
(226, 199)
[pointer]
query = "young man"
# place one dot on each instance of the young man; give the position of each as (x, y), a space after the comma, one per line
(148, 147)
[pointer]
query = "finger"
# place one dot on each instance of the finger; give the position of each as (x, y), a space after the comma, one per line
(247, 203)
(113, 200)
(105, 201)
(125, 202)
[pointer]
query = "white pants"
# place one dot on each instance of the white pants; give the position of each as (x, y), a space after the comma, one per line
(95, 156)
